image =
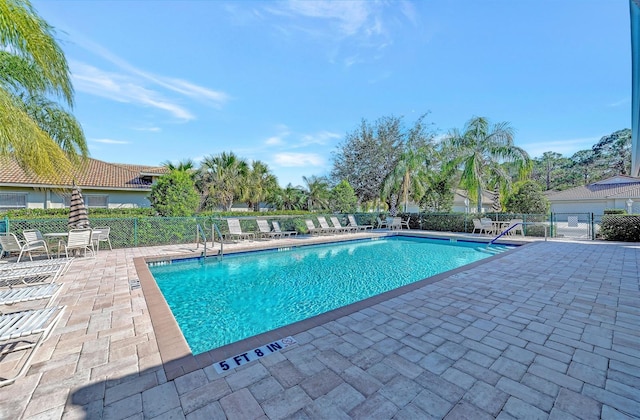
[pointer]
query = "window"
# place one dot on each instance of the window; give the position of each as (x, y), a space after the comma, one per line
(96, 201)
(13, 201)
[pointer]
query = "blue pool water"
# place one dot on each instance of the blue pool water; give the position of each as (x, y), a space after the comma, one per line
(220, 302)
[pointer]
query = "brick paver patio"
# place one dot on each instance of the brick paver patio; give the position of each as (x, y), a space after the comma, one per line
(547, 331)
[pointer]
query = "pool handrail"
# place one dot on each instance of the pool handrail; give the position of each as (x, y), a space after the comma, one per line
(504, 232)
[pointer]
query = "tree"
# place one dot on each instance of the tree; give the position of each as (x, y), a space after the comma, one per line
(258, 184)
(527, 198)
(174, 195)
(367, 155)
(481, 148)
(317, 192)
(549, 169)
(289, 198)
(343, 198)
(612, 154)
(220, 179)
(38, 132)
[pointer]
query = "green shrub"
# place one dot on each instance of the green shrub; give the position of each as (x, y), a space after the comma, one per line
(616, 227)
(615, 211)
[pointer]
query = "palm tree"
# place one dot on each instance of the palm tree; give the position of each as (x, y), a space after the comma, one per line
(289, 198)
(220, 179)
(409, 177)
(481, 148)
(39, 133)
(184, 165)
(258, 185)
(318, 192)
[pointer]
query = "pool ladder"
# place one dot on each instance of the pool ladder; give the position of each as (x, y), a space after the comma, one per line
(200, 234)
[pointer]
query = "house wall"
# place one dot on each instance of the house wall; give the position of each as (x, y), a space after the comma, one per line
(589, 206)
(42, 199)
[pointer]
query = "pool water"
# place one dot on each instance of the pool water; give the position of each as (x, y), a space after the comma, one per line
(221, 302)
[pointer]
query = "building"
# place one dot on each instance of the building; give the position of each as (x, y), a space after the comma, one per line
(618, 192)
(103, 185)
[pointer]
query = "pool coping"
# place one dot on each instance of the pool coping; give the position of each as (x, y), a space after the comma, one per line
(176, 355)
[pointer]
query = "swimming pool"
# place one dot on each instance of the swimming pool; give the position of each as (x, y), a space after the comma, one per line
(221, 302)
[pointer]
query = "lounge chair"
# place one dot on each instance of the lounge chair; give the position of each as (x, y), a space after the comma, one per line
(15, 295)
(276, 228)
(235, 231)
(338, 225)
(31, 275)
(265, 230)
(78, 240)
(382, 223)
(353, 223)
(325, 225)
(488, 224)
(313, 230)
(10, 243)
(63, 263)
(27, 330)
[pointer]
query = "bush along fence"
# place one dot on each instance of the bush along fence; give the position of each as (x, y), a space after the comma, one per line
(129, 232)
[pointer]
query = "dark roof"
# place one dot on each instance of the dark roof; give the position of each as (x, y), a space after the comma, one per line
(92, 173)
(620, 186)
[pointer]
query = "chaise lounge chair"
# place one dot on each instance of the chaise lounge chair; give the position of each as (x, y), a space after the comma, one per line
(31, 275)
(353, 223)
(27, 330)
(313, 230)
(15, 295)
(235, 231)
(337, 225)
(276, 228)
(325, 225)
(265, 231)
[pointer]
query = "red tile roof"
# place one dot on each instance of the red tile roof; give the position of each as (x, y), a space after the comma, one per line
(92, 173)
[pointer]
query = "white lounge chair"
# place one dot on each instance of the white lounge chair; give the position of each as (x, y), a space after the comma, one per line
(477, 225)
(31, 275)
(516, 227)
(10, 243)
(313, 230)
(15, 295)
(65, 263)
(27, 330)
(325, 225)
(235, 231)
(265, 231)
(34, 237)
(276, 228)
(353, 223)
(78, 240)
(339, 227)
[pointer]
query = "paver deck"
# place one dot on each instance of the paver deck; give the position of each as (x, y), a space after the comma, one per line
(547, 331)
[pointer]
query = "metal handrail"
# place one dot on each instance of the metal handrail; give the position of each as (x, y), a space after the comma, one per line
(516, 224)
(214, 229)
(200, 233)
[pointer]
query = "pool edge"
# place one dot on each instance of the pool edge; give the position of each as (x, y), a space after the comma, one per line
(176, 355)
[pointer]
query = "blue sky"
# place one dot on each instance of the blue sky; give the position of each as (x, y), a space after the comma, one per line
(283, 82)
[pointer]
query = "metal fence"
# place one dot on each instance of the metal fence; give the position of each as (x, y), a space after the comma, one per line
(127, 232)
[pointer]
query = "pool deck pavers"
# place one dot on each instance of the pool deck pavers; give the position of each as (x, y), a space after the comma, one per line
(548, 331)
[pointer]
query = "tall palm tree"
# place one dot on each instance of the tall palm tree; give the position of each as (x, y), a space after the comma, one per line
(318, 192)
(289, 198)
(220, 179)
(409, 177)
(258, 185)
(38, 132)
(481, 148)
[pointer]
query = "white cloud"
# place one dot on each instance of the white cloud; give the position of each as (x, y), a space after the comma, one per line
(151, 129)
(109, 141)
(273, 141)
(321, 138)
(298, 159)
(619, 103)
(122, 88)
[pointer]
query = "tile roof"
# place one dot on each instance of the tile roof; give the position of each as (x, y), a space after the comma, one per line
(92, 173)
(616, 187)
